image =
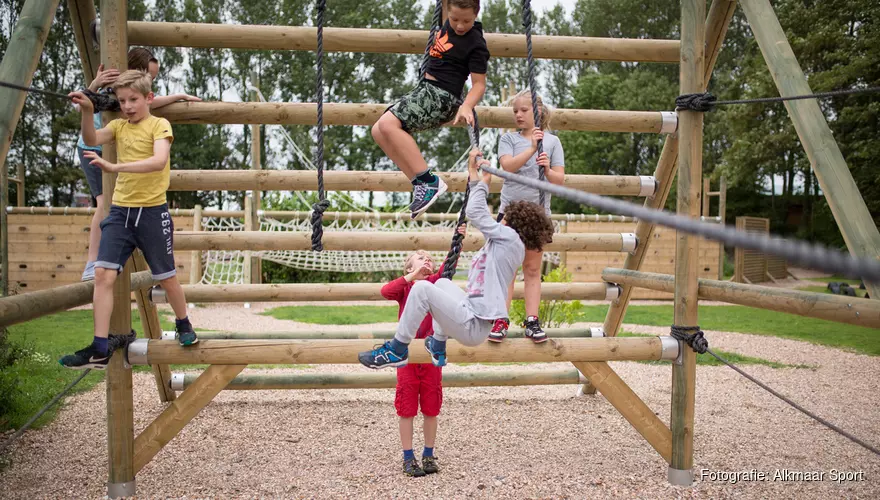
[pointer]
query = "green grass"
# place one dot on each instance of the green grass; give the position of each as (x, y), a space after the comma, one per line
(756, 321)
(822, 289)
(335, 315)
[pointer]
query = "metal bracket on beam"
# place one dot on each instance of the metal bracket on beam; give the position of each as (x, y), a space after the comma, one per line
(670, 122)
(612, 291)
(670, 349)
(157, 295)
(177, 381)
(649, 185)
(169, 335)
(137, 352)
(597, 331)
(122, 490)
(680, 477)
(630, 242)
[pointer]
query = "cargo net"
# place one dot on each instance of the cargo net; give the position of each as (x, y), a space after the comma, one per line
(220, 267)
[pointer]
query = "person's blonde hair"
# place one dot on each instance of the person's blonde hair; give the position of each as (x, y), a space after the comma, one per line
(545, 111)
(139, 81)
(406, 263)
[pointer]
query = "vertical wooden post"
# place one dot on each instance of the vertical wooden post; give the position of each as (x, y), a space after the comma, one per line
(120, 406)
(716, 28)
(722, 212)
(20, 190)
(256, 267)
(690, 161)
(706, 188)
(82, 13)
(855, 222)
(247, 264)
(195, 265)
(4, 232)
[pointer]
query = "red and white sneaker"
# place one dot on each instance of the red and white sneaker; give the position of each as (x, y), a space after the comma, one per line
(499, 330)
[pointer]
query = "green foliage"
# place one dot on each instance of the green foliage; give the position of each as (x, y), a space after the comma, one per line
(553, 313)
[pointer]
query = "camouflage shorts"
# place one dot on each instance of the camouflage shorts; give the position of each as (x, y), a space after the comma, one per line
(425, 107)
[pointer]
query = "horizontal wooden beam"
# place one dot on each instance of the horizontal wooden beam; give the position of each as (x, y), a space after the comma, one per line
(383, 241)
(386, 380)
(851, 310)
(237, 352)
(319, 292)
(260, 37)
(303, 215)
(31, 305)
(513, 333)
(307, 180)
(304, 113)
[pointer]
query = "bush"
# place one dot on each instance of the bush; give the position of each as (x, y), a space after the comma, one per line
(9, 384)
(553, 313)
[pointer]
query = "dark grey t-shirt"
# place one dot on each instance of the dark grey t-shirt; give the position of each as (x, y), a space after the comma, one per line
(513, 143)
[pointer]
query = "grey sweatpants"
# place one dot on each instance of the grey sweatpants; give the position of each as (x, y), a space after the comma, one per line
(446, 303)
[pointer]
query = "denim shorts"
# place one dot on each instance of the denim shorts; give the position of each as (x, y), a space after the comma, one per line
(148, 228)
(93, 173)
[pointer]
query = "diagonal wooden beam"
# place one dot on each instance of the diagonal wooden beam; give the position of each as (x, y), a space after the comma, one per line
(630, 406)
(847, 205)
(717, 22)
(82, 13)
(181, 411)
(152, 330)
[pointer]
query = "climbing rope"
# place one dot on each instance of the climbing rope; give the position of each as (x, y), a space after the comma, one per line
(693, 337)
(533, 83)
(102, 102)
(705, 101)
(457, 238)
(809, 255)
(322, 204)
(436, 25)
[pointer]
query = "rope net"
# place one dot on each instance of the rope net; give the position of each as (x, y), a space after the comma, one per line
(221, 267)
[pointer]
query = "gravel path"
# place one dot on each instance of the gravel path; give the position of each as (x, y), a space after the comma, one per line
(517, 442)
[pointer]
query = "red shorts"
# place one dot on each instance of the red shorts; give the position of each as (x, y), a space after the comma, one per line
(419, 385)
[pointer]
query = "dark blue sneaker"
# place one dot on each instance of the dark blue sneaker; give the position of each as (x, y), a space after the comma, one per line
(438, 357)
(185, 334)
(86, 358)
(424, 195)
(383, 356)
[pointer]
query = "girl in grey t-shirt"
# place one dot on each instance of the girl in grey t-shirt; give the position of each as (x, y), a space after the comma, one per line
(518, 153)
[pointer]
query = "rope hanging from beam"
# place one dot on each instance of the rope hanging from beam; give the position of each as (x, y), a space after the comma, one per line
(455, 247)
(533, 83)
(323, 203)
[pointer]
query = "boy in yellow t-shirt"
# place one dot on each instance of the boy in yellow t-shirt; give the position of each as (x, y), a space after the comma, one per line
(139, 215)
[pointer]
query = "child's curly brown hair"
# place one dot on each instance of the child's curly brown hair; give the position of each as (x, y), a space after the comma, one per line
(531, 223)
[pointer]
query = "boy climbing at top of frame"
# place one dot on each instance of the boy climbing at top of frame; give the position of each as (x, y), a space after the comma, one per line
(459, 51)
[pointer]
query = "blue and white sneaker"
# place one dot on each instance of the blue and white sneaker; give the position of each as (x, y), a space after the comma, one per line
(383, 356)
(438, 356)
(424, 195)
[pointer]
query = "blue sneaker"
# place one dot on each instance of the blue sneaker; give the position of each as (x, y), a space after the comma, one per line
(438, 356)
(383, 356)
(424, 195)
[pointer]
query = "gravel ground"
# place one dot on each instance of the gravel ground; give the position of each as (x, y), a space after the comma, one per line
(517, 442)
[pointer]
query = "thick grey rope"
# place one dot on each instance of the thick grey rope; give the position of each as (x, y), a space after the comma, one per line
(322, 204)
(814, 256)
(533, 83)
(435, 27)
(455, 247)
(706, 102)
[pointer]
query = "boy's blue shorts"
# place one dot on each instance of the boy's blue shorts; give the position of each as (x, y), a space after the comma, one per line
(148, 228)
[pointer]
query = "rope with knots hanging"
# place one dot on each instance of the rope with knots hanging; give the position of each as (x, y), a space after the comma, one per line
(533, 84)
(323, 203)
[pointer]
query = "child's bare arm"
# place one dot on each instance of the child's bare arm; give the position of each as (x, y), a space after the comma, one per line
(91, 137)
(475, 95)
(161, 153)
